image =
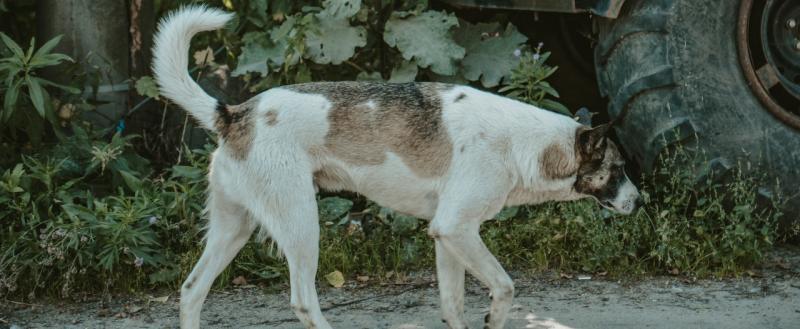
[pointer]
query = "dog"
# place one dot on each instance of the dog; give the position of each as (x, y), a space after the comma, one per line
(451, 154)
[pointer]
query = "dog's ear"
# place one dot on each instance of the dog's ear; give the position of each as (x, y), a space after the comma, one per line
(591, 142)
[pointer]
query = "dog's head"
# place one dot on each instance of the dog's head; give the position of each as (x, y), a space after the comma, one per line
(601, 172)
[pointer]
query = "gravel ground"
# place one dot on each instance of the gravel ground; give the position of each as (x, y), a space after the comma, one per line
(767, 299)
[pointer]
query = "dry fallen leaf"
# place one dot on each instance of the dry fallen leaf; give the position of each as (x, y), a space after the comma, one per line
(565, 275)
(362, 278)
(204, 57)
(239, 281)
(674, 271)
(162, 299)
(335, 279)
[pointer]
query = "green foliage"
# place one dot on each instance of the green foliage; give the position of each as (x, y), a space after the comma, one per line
(90, 210)
(686, 226)
(258, 53)
(146, 86)
(63, 233)
(527, 82)
(406, 72)
(20, 75)
(492, 53)
(403, 41)
(334, 40)
(426, 39)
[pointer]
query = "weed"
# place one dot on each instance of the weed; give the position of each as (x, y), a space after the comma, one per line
(59, 237)
(20, 73)
(527, 82)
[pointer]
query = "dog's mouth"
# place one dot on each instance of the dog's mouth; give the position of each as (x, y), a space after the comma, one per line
(607, 204)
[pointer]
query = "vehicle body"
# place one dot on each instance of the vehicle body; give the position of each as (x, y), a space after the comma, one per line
(605, 8)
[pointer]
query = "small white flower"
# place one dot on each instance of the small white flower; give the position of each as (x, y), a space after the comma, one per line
(541, 44)
(536, 57)
(138, 262)
(152, 220)
(517, 52)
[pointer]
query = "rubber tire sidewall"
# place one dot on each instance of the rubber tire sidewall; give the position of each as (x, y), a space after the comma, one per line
(671, 67)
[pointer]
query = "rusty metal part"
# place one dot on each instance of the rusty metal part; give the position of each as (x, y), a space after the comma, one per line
(765, 77)
(605, 8)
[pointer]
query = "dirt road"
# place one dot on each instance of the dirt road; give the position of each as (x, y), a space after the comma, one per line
(772, 301)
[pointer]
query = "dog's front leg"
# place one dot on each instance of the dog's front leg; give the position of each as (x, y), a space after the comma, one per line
(450, 276)
(464, 205)
(466, 244)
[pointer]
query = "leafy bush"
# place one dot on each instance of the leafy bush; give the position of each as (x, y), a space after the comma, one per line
(89, 214)
(690, 227)
(528, 82)
(68, 216)
(299, 41)
(20, 73)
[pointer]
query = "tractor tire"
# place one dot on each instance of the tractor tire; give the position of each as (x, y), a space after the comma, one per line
(671, 72)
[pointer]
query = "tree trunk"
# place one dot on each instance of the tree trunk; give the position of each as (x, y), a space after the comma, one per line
(111, 40)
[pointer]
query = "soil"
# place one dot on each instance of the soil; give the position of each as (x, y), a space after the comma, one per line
(769, 298)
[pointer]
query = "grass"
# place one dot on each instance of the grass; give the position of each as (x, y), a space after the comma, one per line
(59, 238)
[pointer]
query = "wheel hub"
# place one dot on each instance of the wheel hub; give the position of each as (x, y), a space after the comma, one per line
(781, 28)
(768, 36)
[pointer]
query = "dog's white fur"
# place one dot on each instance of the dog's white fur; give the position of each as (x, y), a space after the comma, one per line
(496, 146)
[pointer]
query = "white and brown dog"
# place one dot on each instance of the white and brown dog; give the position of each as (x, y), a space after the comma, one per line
(451, 154)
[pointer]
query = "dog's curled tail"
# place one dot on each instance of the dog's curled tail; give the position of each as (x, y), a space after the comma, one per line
(171, 59)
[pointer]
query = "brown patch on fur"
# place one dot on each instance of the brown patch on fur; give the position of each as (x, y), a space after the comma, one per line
(369, 119)
(556, 163)
(235, 126)
(272, 117)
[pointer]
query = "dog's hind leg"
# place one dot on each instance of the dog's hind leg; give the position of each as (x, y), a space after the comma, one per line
(450, 276)
(229, 228)
(291, 219)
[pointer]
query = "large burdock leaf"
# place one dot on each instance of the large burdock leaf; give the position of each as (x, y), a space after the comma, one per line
(426, 38)
(258, 52)
(334, 41)
(333, 208)
(406, 72)
(341, 9)
(146, 86)
(491, 55)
